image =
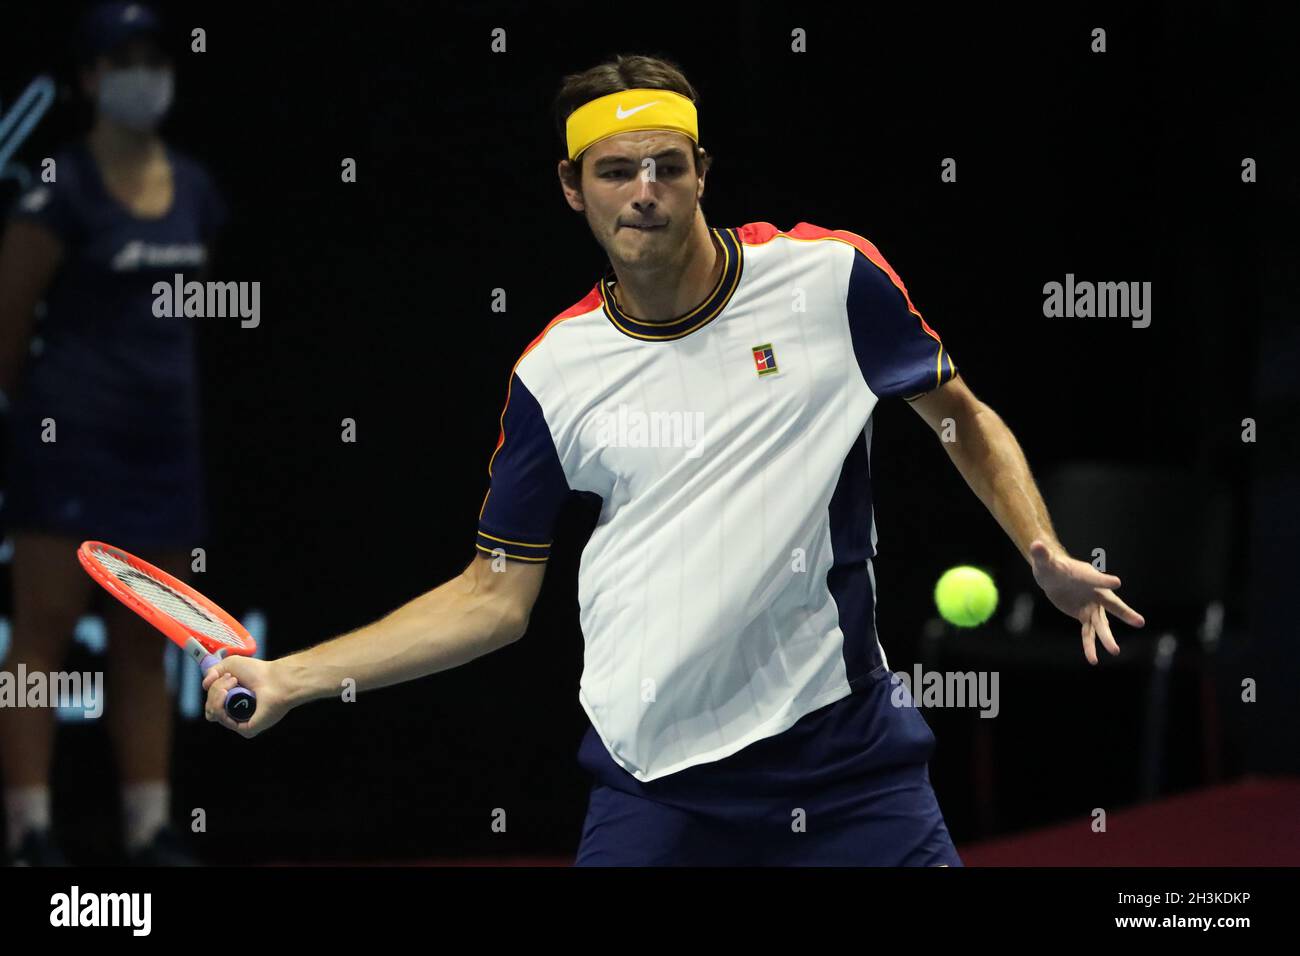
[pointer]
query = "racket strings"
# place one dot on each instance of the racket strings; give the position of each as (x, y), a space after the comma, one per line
(168, 600)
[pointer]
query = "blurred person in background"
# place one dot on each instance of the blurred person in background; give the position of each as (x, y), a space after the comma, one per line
(104, 428)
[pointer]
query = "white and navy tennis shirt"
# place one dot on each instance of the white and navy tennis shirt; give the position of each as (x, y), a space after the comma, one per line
(727, 589)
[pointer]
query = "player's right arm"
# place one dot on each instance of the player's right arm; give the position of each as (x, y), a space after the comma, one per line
(485, 607)
(475, 613)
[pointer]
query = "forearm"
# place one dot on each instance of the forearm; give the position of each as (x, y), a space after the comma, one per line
(444, 628)
(994, 466)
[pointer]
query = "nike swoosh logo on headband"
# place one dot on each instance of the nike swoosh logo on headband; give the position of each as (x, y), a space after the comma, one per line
(636, 109)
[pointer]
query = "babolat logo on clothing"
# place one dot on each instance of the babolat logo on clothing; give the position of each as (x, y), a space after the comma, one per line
(75, 908)
(142, 255)
(35, 199)
(764, 359)
(208, 300)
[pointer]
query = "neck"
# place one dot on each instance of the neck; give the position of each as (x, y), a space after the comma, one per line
(663, 291)
(115, 145)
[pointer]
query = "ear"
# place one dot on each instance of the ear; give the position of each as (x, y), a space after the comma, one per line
(568, 178)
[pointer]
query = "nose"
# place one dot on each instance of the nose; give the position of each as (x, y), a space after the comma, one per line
(645, 194)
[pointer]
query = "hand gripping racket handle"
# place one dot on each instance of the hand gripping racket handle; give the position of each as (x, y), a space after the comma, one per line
(241, 703)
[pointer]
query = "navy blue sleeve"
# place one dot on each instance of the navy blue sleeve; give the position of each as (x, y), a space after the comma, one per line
(528, 484)
(52, 205)
(899, 354)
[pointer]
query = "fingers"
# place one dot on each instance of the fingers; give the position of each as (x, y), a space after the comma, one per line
(1103, 630)
(214, 708)
(1121, 610)
(212, 705)
(1099, 579)
(1089, 641)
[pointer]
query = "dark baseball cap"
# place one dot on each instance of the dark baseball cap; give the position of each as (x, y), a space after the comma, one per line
(106, 26)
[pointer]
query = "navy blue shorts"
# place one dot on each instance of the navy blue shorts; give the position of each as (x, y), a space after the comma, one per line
(847, 785)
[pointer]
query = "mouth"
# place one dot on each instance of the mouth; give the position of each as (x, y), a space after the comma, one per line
(650, 227)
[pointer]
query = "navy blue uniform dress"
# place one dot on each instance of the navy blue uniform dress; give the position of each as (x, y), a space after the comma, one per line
(846, 785)
(118, 383)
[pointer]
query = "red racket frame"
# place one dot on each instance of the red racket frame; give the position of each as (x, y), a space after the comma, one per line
(178, 633)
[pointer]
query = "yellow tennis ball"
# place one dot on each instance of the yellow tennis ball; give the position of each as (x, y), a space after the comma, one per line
(965, 596)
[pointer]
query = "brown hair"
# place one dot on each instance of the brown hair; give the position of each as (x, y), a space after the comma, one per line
(626, 71)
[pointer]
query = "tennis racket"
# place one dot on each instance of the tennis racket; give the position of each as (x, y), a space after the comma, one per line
(195, 624)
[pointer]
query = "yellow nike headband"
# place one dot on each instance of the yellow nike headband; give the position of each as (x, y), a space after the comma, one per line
(629, 110)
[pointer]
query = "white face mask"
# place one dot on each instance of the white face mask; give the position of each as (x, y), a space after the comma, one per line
(137, 98)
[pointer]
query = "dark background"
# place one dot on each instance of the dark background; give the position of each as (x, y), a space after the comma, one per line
(1122, 166)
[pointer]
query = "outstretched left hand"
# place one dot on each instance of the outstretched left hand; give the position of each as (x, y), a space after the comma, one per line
(1084, 593)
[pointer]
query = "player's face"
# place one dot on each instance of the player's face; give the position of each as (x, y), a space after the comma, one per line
(640, 193)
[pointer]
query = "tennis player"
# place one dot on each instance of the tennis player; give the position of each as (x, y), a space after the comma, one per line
(715, 390)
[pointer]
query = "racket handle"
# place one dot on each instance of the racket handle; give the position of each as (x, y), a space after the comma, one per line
(241, 703)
